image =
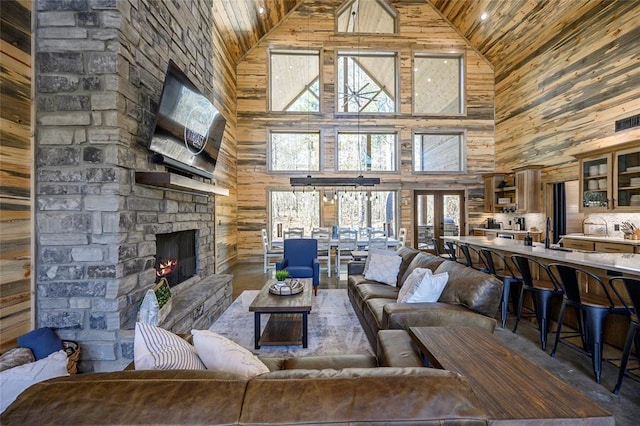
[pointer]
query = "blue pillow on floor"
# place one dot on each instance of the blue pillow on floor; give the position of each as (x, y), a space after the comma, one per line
(42, 342)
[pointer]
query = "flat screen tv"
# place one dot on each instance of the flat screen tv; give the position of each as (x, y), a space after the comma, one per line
(188, 130)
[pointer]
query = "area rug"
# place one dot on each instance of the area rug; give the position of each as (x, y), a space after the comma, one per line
(333, 327)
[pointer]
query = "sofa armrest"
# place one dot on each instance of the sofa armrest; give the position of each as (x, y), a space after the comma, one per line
(355, 267)
(437, 314)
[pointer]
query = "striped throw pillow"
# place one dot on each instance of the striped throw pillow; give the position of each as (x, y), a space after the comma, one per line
(155, 348)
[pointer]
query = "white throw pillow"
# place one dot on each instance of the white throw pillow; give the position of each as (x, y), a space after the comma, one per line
(155, 348)
(414, 278)
(219, 353)
(15, 380)
(429, 289)
(379, 252)
(384, 268)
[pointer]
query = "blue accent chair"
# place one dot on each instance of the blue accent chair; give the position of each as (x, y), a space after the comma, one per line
(301, 260)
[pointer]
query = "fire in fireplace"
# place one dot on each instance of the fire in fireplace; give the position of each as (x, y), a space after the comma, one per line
(176, 256)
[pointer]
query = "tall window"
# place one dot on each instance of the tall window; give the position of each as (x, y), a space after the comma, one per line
(438, 152)
(290, 151)
(438, 85)
(295, 81)
(362, 209)
(366, 82)
(291, 209)
(367, 151)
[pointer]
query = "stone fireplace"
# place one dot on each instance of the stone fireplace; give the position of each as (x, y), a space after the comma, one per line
(99, 67)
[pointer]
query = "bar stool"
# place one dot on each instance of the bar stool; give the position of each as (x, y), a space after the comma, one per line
(473, 258)
(438, 251)
(507, 276)
(450, 248)
(592, 308)
(632, 287)
(542, 289)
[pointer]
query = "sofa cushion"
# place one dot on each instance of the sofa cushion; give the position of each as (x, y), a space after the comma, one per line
(421, 260)
(372, 312)
(476, 290)
(405, 315)
(361, 396)
(179, 397)
(42, 342)
(155, 348)
(397, 349)
(370, 290)
(407, 254)
(221, 354)
(414, 278)
(384, 268)
(429, 289)
(15, 357)
(15, 380)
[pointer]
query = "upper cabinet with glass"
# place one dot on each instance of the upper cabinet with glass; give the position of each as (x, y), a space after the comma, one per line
(627, 179)
(366, 16)
(610, 179)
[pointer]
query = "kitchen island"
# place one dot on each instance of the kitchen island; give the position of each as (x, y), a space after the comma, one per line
(604, 265)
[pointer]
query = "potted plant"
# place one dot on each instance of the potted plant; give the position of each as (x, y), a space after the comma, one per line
(281, 275)
(163, 295)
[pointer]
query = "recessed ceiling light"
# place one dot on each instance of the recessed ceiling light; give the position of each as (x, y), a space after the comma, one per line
(484, 16)
(261, 10)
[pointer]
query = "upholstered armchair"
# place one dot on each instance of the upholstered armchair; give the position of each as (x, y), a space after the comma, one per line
(301, 260)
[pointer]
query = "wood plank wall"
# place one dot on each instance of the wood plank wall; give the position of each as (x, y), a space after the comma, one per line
(15, 171)
(563, 97)
(311, 25)
(226, 208)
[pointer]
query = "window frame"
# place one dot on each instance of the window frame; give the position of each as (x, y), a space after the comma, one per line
(292, 51)
(271, 225)
(368, 131)
(269, 144)
(462, 83)
(462, 133)
(393, 13)
(396, 208)
(351, 52)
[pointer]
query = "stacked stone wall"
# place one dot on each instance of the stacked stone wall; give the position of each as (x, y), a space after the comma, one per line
(99, 68)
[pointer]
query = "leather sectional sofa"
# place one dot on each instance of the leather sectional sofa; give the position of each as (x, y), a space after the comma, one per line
(343, 389)
(470, 297)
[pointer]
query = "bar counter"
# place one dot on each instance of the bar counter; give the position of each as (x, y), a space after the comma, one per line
(621, 263)
(603, 265)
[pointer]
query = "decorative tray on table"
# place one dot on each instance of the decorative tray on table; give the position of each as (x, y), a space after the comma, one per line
(288, 288)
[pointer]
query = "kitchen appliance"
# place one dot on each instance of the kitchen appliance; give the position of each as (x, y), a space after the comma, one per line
(519, 224)
(492, 224)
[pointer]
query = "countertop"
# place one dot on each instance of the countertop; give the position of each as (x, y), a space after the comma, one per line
(601, 238)
(628, 263)
(507, 231)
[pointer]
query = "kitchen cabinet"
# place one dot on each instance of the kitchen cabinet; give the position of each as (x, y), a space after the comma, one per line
(610, 179)
(613, 247)
(517, 191)
(578, 244)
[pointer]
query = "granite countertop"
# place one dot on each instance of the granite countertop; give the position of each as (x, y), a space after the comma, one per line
(508, 231)
(601, 238)
(622, 262)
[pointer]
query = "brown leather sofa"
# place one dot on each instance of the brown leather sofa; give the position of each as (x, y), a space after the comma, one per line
(306, 390)
(470, 298)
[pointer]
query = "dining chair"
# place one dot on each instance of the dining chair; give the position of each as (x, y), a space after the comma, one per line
(593, 302)
(347, 242)
(324, 247)
(269, 252)
(473, 258)
(378, 242)
(632, 303)
(499, 267)
(542, 287)
(293, 233)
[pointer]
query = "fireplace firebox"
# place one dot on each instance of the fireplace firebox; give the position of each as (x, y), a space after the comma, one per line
(176, 256)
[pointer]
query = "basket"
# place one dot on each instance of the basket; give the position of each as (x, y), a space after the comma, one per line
(73, 355)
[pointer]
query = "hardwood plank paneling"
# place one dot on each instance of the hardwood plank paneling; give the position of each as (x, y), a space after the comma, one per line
(311, 25)
(15, 171)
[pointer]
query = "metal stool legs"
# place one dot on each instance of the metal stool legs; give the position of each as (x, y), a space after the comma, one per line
(632, 335)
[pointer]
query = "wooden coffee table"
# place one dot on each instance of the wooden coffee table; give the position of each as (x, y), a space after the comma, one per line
(287, 323)
(511, 388)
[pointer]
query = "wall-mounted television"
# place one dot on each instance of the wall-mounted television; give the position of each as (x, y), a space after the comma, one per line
(188, 129)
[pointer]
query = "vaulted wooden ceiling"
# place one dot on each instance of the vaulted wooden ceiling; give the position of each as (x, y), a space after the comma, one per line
(512, 30)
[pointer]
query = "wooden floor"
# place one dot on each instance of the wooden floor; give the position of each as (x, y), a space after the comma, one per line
(574, 368)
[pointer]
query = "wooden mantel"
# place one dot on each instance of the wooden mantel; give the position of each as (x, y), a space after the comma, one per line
(177, 182)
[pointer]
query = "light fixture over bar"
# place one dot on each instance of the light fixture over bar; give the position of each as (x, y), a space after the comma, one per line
(334, 181)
